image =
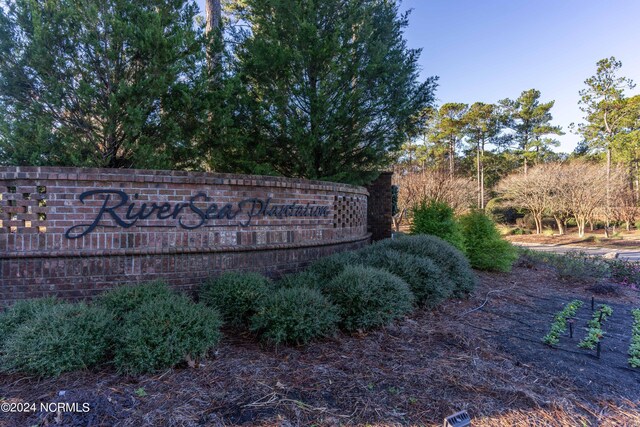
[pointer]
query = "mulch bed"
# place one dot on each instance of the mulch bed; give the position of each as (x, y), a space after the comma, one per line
(483, 355)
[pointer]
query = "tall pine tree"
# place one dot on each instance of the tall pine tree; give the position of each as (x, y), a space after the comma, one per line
(332, 87)
(107, 83)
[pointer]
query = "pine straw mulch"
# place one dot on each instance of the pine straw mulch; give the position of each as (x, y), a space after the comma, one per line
(482, 354)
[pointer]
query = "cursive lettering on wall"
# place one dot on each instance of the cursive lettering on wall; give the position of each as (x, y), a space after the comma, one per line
(199, 211)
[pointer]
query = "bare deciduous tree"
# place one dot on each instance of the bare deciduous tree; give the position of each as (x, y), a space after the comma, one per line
(532, 191)
(426, 185)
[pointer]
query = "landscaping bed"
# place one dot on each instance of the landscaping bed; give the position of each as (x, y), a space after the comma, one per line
(490, 361)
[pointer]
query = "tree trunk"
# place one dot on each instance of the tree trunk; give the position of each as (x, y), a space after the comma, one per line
(482, 177)
(560, 224)
(525, 166)
(213, 11)
(451, 158)
(538, 220)
(581, 223)
(478, 173)
(608, 202)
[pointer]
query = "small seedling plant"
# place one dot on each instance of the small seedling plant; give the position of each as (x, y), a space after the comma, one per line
(634, 347)
(595, 332)
(559, 325)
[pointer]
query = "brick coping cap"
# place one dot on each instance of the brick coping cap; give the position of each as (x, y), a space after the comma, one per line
(185, 177)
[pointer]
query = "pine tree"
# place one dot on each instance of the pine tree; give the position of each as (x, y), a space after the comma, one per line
(109, 83)
(531, 122)
(332, 87)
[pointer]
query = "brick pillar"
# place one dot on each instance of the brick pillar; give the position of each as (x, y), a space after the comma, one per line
(379, 218)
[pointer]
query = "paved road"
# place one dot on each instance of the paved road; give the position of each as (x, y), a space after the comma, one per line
(626, 254)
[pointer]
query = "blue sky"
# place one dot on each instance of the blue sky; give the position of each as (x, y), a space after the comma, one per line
(487, 50)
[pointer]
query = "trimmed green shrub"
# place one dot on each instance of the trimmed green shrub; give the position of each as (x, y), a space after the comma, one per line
(436, 219)
(330, 266)
(486, 249)
(304, 279)
(21, 312)
(58, 338)
(126, 298)
(162, 332)
(451, 261)
(426, 280)
(295, 315)
(368, 297)
(236, 295)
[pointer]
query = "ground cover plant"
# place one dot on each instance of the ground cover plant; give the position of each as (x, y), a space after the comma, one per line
(559, 325)
(572, 264)
(634, 347)
(595, 332)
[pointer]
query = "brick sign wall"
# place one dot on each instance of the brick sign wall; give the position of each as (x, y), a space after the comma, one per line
(75, 232)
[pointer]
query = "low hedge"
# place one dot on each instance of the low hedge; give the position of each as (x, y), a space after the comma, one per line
(368, 297)
(451, 261)
(236, 295)
(22, 312)
(325, 269)
(162, 332)
(427, 282)
(124, 299)
(295, 315)
(59, 337)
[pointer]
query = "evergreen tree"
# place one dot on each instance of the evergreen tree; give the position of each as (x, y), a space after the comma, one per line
(531, 122)
(109, 83)
(603, 102)
(484, 125)
(332, 89)
(448, 131)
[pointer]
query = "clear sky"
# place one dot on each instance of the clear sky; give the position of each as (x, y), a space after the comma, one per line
(487, 50)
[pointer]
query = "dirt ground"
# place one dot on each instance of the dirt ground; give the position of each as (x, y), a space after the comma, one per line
(621, 239)
(483, 355)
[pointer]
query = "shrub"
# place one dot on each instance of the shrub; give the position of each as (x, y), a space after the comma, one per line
(436, 219)
(368, 297)
(571, 264)
(161, 332)
(303, 279)
(126, 298)
(634, 346)
(295, 315)
(427, 282)
(329, 267)
(486, 249)
(451, 261)
(58, 338)
(21, 312)
(236, 295)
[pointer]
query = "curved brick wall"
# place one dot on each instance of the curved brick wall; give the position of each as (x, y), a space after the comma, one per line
(75, 232)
